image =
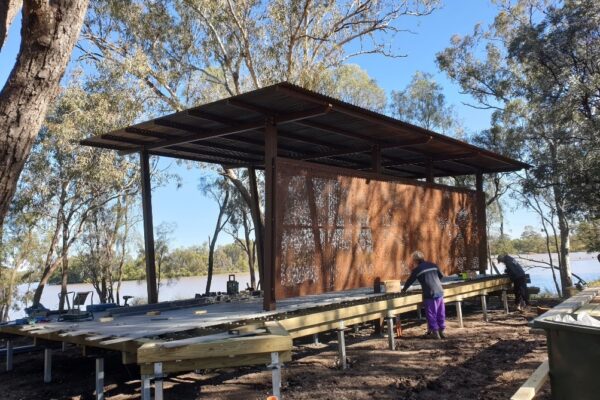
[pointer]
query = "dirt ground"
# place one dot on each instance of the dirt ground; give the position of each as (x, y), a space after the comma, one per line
(482, 361)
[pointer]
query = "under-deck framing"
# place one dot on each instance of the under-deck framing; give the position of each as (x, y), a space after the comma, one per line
(239, 333)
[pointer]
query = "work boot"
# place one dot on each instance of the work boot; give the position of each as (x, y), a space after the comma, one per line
(432, 335)
(442, 334)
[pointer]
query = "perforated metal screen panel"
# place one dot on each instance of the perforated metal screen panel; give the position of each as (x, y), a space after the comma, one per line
(340, 230)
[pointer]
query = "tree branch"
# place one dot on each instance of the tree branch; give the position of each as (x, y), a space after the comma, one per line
(8, 11)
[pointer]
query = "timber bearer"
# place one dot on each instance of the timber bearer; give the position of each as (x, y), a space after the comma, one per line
(429, 276)
(518, 278)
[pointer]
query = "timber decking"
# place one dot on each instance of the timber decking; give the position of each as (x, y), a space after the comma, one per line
(185, 339)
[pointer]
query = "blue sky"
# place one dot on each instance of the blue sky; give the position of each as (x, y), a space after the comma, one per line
(194, 215)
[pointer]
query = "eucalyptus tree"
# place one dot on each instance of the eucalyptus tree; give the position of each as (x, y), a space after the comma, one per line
(63, 182)
(188, 52)
(21, 251)
(104, 245)
(537, 67)
(423, 103)
(218, 189)
(49, 30)
(240, 229)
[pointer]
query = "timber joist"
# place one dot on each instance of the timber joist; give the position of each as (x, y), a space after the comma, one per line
(220, 350)
(309, 324)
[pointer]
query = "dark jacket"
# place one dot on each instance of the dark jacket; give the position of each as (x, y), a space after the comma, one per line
(429, 276)
(513, 268)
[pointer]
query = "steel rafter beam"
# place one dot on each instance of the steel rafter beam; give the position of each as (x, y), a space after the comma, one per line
(433, 159)
(196, 134)
(405, 143)
(389, 122)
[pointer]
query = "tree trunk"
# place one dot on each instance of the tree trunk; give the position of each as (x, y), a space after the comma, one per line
(257, 221)
(563, 226)
(249, 248)
(211, 262)
(49, 266)
(213, 242)
(48, 271)
(564, 252)
(8, 294)
(49, 32)
(65, 266)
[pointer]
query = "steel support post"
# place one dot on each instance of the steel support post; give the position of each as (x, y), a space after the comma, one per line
(429, 171)
(342, 345)
(99, 378)
(505, 301)
(459, 315)
(9, 355)
(481, 223)
(270, 223)
(47, 365)
(151, 285)
(145, 387)
(158, 381)
(484, 307)
(316, 338)
(390, 326)
(276, 374)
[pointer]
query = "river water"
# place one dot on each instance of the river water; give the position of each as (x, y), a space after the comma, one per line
(174, 289)
(583, 264)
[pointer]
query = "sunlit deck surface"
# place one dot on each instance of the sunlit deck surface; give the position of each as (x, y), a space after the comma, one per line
(193, 320)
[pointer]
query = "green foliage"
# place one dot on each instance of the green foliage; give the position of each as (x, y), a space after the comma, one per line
(537, 67)
(587, 235)
(530, 52)
(353, 84)
(176, 263)
(423, 103)
(501, 244)
(531, 241)
(185, 52)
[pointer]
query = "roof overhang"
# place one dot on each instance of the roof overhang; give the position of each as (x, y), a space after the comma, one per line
(310, 127)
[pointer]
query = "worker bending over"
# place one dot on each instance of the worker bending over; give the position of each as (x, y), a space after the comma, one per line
(429, 276)
(518, 278)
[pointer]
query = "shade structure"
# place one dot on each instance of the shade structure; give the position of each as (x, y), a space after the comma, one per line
(259, 129)
(310, 127)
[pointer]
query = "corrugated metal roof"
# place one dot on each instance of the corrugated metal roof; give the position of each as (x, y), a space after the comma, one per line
(311, 127)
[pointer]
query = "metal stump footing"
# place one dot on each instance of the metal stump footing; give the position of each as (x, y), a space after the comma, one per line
(9, 355)
(459, 314)
(158, 381)
(391, 338)
(99, 378)
(484, 307)
(145, 387)
(47, 365)
(342, 345)
(158, 384)
(276, 374)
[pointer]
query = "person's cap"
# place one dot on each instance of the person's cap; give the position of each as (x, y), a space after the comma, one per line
(500, 257)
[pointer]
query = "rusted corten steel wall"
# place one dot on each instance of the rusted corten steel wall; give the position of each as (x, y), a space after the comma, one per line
(339, 229)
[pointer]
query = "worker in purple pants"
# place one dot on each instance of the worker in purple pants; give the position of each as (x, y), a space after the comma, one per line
(429, 276)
